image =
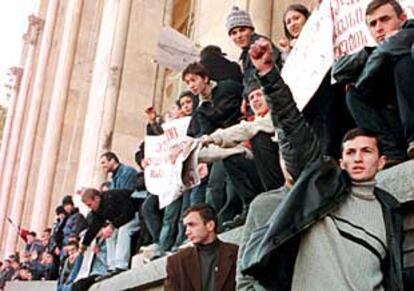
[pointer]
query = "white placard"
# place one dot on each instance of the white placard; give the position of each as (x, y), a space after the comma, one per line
(311, 57)
(172, 159)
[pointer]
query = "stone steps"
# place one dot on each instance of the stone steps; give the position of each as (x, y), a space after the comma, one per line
(31, 286)
(149, 276)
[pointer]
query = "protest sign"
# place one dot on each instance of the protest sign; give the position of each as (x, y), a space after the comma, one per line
(350, 31)
(172, 159)
(174, 50)
(311, 57)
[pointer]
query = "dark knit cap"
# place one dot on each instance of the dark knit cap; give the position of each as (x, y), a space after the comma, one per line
(238, 18)
(67, 200)
(251, 86)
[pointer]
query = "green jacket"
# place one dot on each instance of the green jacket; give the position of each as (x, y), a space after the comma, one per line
(320, 187)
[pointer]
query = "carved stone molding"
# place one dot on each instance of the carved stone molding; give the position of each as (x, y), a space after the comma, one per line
(36, 25)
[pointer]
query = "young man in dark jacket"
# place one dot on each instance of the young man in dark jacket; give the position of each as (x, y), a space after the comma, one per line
(240, 29)
(112, 210)
(209, 264)
(382, 97)
(334, 230)
(219, 107)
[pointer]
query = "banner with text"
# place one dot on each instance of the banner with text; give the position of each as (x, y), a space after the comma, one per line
(350, 30)
(172, 162)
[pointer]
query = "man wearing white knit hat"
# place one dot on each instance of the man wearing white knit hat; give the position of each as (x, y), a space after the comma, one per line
(241, 30)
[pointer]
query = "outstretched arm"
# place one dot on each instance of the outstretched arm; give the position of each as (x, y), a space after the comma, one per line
(297, 141)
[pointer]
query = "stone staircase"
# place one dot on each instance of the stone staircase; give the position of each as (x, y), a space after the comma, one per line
(398, 180)
(149, 276)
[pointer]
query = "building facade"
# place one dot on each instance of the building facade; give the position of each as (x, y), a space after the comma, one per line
(86, 77)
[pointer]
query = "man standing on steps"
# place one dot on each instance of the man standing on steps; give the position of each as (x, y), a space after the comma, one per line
(208, 265)
(123, 176)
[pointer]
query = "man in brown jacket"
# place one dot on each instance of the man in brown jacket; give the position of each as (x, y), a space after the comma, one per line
(209, 265)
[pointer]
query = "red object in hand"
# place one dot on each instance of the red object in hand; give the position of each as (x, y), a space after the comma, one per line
(256, 52)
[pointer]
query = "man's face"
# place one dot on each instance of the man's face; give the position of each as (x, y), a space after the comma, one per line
(72, 251)
(196, 83)
(93, 203)
(176, 112)
(45, 238)
(361, 159)
(107, 165)
(186, 104)
(197, 231)
(68, 208)
(30, 238)
(384, 22)
(257, 102)
(241, 36)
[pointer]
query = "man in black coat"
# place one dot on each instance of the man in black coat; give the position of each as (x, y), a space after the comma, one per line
(110, 211)
(334, 230)
(219, 107)
(382, 97)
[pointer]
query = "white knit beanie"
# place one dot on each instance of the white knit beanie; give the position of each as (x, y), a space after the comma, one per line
(238, 18)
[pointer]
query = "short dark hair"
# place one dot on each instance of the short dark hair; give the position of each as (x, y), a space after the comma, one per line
(206, 212)
(32, 233)
(49, 230)
(60, 210)
(105, 184)
(356, 132)
(110, 156)
(90, 193)
(375, 4)
(196, 69)
(73, 243)
(298, 8)
(211, 50)
(186, 93)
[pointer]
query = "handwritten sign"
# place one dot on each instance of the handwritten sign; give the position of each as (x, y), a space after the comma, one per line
(311, 57)
(172, 159)
(350, 31)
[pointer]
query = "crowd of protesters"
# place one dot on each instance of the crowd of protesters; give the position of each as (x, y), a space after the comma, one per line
(255, 141)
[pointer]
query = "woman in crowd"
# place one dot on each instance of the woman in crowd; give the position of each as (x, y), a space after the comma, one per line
(294, 20)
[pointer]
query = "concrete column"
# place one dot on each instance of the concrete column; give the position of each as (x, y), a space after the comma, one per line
(35, 25)
(53, 135)
(104, 92)
(261, 14)
(25, 164)
(15, 74)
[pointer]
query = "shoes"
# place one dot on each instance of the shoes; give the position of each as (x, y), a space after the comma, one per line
(152, 252)
(108, 275)
(238, 220)
(410, 150)
(151, 247)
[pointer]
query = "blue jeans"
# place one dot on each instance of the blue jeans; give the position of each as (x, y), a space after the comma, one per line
(119, 245)
(169, 224)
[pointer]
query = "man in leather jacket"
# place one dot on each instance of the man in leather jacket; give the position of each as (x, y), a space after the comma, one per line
(334, 230)
(381, 98)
